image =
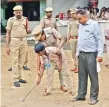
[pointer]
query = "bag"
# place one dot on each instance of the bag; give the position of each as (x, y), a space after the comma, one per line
(98, 67)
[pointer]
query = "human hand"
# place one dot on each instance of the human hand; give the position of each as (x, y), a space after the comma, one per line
(99, 59)
(28, 31)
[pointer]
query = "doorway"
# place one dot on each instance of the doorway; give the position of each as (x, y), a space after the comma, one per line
(32, 10)
(9, 10)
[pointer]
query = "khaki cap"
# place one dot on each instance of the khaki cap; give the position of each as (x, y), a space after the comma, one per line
(49, 9)
(74, 11)
(18, 7)
(37, 32)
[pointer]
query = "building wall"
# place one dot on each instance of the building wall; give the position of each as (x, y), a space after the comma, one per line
(64, 5)
(3, 16)
(42, 8)
(103, 3)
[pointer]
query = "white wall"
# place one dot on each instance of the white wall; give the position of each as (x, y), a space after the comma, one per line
(103, 3)
(64, 5)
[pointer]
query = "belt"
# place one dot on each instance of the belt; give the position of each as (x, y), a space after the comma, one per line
(82, 52)
(19, 38)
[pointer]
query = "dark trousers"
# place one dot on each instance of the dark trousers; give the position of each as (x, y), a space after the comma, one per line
(88, 66)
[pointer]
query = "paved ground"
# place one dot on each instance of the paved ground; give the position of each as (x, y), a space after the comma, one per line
(11, 96)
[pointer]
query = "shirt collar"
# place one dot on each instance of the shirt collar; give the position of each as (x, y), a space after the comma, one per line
(47, 17)
(18, 19)
(88, 22)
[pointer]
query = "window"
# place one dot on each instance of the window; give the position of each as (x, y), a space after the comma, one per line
(32, 10)
(9, 10)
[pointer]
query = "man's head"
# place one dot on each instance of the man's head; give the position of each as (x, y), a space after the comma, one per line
(40, 49)
(82, 16)
(18, 11)
(38, 33)
(49, 11)
(73, 13)
(69, 13)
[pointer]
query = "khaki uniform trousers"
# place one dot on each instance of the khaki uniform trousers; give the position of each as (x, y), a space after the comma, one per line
(26, 56)
(107, 50)
(64, 75)
(73, 44)
(18, 52)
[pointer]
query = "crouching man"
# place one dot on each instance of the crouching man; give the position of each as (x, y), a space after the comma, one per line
(52, 58)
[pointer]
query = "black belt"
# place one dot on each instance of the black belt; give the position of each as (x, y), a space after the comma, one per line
(86, 52)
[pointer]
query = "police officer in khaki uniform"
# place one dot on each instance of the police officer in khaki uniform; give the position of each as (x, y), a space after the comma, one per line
(51, 37)
(16, 43)
(73, 34)
(48, 20)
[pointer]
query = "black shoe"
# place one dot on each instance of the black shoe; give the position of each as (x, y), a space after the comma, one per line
(93, 102)
(26, 68)
(78, 99)
(10, 69)
(22, 81)
(16, 84)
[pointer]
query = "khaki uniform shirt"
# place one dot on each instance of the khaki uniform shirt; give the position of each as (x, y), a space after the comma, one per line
(73, 28)
(52, 37)
(51, 56)
(17, 27)
(48, 22)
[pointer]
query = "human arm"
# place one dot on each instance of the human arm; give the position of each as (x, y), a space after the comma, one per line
(40, 70)
(99, 41)
(42, 23)
(58, 52)
(8, 34)
(27, 26)
(57, 35)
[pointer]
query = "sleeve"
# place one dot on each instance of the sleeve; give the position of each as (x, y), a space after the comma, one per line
(99, 39)
(9, 24)
(42, 23)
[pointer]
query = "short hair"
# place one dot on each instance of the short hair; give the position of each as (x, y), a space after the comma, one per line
(81, 12)
(39, 47)
(69, 11)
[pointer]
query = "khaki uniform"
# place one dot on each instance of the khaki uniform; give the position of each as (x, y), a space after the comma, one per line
(52, 39)
(26, 57)
(54, 61)
(48, 22)
(18, 44)
(73, 32)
